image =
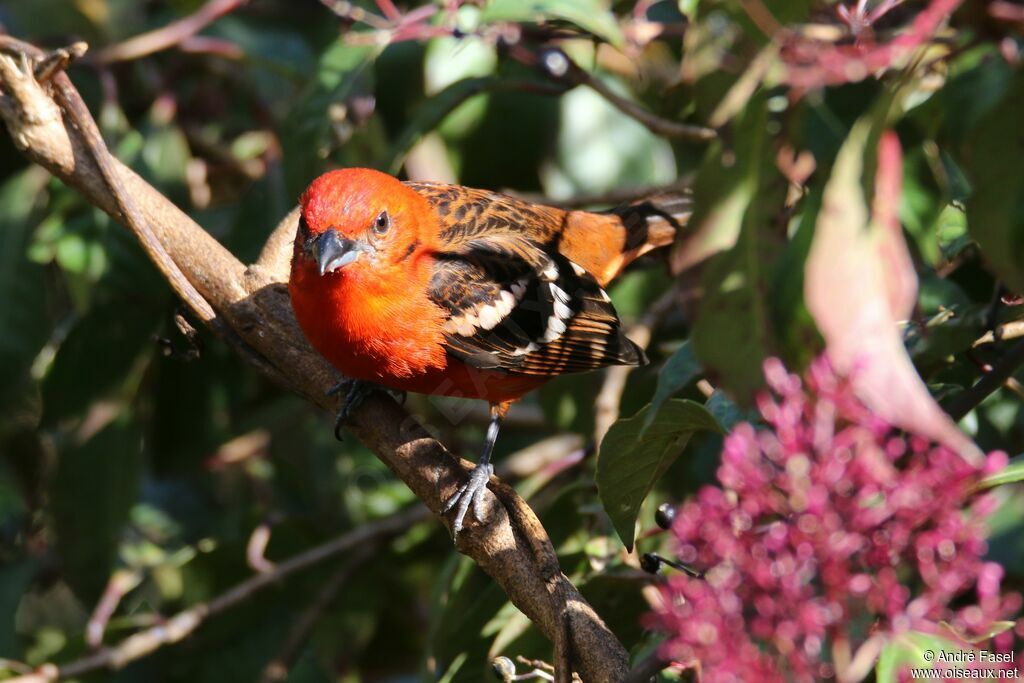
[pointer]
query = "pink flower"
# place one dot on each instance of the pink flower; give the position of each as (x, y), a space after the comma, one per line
(812, 63)
(829, 528)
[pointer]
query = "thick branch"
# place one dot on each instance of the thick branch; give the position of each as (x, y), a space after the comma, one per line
(253, 313)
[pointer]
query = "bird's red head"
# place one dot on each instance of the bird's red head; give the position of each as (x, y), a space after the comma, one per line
(357, 222)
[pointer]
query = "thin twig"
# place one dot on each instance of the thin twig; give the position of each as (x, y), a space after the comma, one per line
(352, 12)
(256, 548)
(1011, 330)
(970, 398)
(186, 622)
(647, 668)
(609, 399)
(561, 68)
(167, 36)
(120, 584)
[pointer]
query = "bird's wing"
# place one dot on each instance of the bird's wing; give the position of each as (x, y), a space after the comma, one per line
(513, 303)
(467, 214)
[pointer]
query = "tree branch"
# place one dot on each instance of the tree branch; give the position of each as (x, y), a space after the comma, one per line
(970, 398)
(277, 668)
(183, 624)
(1010, 330)
(561, 68)
(167, 36)
(250, 309)
(647, 668)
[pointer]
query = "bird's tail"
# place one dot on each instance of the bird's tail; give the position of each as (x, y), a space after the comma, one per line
(652, 222)
(605, 243)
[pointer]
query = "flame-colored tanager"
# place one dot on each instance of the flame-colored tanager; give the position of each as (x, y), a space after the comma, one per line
(444, 289)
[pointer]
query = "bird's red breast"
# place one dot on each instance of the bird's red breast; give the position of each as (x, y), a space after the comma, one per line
(449, 290)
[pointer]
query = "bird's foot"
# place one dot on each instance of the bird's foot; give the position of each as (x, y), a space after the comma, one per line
(354, 392)
(470, 493)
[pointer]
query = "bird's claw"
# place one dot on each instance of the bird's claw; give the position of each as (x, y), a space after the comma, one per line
(471, 493)
(355, 390)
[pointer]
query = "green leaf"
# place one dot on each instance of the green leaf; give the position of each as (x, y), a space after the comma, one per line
(1013, 473)
(796, 335)
(282, 52)
(632, 458)
(907, 650)
(469, 610)
(727, 413)
(15, 582)
(96, 356)
(689, 8)
(995, 209)
(589, 15)
(307, 140)
(24, 319)
(433, 111)
(950, 331)
(94, 488)
(732, 334)
(679, 370)
(978, 80)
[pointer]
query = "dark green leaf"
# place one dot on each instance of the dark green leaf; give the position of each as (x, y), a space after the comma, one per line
(732, 334)
(979, 80)
(24, 320)
(307, 141)
(680, 369)
(798, 337)
(995, 209)
(469, 610)
(951, 331)
(96, 356)
(15, 579)
(632, 458)
(433, 111)
(93, 490)
(727, 413)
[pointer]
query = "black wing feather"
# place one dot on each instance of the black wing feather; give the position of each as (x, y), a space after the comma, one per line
(560, 321)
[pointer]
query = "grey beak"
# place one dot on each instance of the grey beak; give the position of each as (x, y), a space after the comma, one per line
(333, 252)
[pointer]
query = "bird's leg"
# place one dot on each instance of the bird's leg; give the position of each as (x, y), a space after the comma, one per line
(354, 391)
(472, 492)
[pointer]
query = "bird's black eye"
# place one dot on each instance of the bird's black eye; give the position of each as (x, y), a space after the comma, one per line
(382, 224)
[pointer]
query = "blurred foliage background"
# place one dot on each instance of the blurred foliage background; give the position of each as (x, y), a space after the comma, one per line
(141, 468)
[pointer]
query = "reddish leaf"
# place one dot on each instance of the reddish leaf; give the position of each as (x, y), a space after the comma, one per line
(860, 283)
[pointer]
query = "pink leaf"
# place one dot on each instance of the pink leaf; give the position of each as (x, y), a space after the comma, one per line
(859, 283)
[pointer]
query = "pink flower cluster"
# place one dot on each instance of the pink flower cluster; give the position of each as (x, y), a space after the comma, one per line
(814, 63)
(829, 530)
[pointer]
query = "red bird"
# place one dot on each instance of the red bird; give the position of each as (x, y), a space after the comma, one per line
(443, 289)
